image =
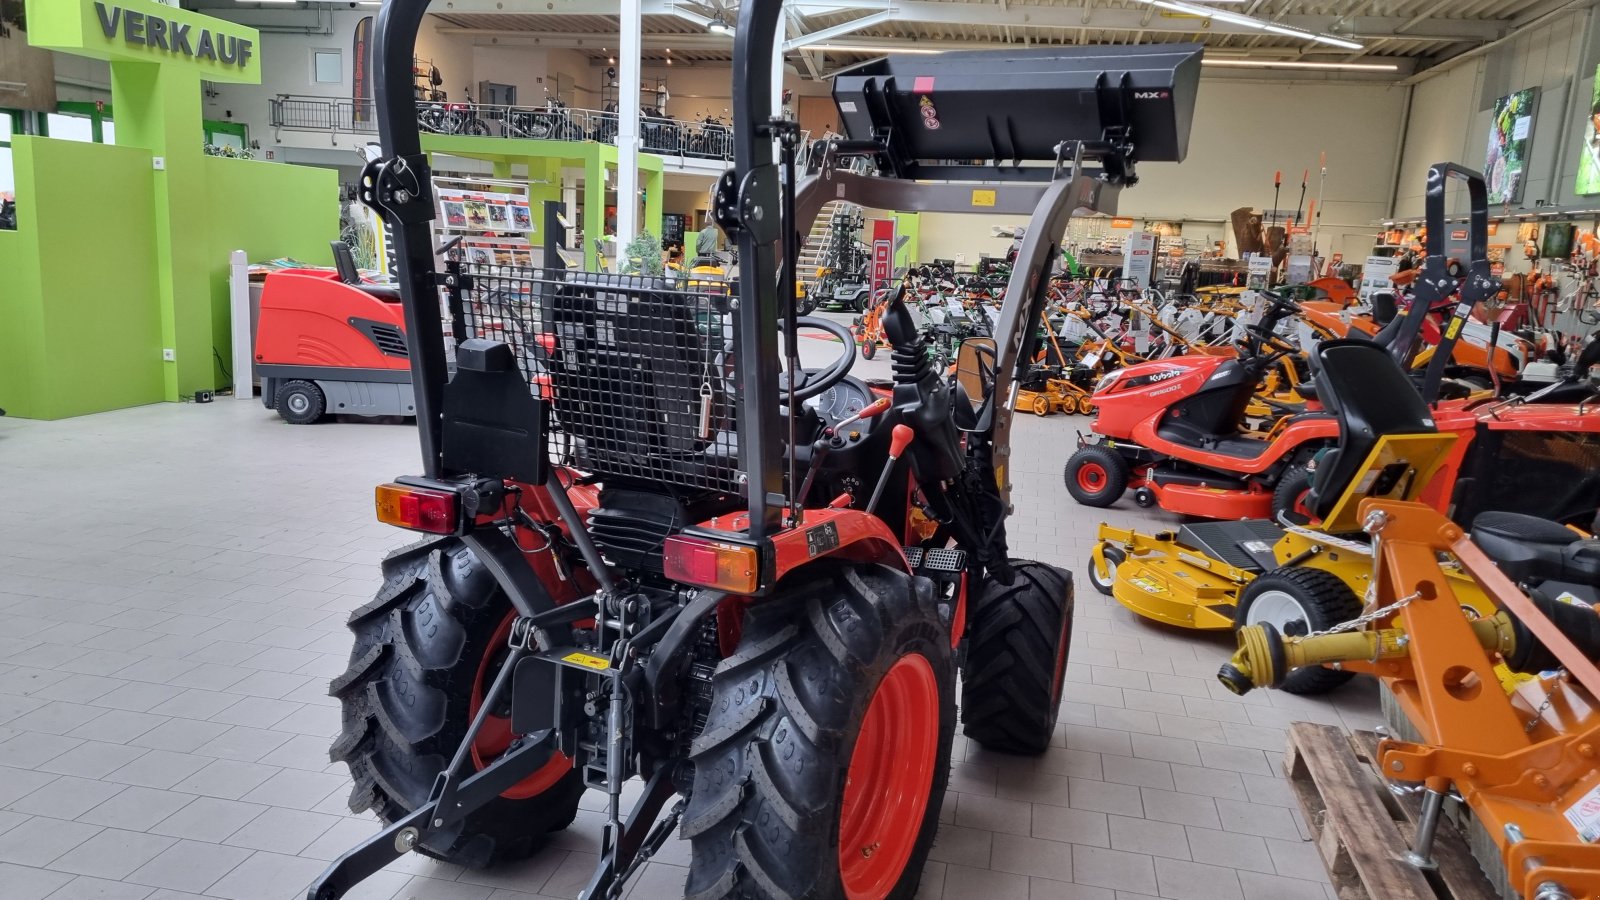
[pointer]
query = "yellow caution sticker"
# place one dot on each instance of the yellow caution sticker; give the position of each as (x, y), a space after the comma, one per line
(983, 198)
(587, 661)
(1148, 585)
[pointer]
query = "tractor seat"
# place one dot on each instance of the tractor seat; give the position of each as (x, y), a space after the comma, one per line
(1371, 397)
(1307, 390)
(1531, 549)
(345, 264)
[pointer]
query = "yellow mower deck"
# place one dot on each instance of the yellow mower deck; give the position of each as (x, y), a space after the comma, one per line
(1174, 577)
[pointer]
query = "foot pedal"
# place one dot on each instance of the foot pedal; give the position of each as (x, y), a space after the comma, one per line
(937, 559)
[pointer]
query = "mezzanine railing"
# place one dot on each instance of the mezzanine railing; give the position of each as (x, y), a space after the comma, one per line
(703, 140)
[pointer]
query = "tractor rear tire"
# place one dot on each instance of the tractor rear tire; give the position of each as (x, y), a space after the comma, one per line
(824, 760)
(300, 402)
(1289, 497)
(1096, 476)
(1323, 601)
(422, 650)
(1018, 637)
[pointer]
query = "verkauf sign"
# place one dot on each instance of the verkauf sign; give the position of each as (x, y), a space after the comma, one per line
(147, 31)
(161, 33)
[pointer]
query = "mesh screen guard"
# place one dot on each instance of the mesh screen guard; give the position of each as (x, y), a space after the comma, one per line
(640, 372)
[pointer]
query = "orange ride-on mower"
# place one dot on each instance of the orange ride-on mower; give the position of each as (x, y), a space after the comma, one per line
(328, 343)
(663, 553)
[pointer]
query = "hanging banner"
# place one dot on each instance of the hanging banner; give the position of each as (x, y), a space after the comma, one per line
(882, 254)
(361, 109)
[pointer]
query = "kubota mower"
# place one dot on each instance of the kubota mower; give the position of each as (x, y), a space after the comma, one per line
(662, 550)
(328, 343)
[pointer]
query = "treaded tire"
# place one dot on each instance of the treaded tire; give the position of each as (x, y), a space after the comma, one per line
(1326, 600)
(787, 707)
(300, 402)
(405, 697)
(1018, 637)
(1291, 492)
(1096, 476)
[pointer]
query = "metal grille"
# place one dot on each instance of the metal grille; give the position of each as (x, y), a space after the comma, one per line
(639, 372)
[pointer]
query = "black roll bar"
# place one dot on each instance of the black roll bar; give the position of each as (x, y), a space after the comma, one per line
(402, 184)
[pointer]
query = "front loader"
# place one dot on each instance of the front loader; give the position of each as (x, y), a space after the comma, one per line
(662, 552)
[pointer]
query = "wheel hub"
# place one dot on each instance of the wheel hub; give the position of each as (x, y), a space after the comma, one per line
(890, 776)
(496, 738)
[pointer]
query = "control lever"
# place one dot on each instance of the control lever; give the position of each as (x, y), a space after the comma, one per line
(897, 445)
(831, 438)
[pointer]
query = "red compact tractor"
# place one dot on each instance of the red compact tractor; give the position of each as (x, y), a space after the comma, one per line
(661, 551)
(328, 343)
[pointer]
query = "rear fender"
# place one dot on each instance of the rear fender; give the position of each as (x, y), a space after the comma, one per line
(836, 534)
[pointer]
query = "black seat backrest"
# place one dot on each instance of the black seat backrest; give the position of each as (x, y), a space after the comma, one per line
(1384, 307)
(635, 365)
(345, 263)
(1371, 396)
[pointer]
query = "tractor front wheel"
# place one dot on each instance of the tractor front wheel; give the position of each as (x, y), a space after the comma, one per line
(1018, 636)
(426, 650)
(848, 664)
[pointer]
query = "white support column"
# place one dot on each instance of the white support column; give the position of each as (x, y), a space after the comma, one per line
(244, 326)
(628, 66)
(777, 68)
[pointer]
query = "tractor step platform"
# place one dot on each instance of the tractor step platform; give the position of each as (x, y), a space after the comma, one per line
(936, 559)
(1244, 545)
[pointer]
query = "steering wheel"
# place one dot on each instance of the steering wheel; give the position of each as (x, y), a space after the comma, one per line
(814, 383)
(1283, 303)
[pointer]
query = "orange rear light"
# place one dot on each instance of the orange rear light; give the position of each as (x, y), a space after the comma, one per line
(708, 563)
(419, 509)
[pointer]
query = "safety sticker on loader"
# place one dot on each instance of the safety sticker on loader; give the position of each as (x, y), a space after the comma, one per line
(597, 663)
(1585, 816)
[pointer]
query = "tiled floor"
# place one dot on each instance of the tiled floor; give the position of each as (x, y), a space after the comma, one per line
(173, 587)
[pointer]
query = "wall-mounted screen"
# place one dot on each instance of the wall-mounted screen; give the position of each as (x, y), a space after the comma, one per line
(1589, 159)
(1510, 131)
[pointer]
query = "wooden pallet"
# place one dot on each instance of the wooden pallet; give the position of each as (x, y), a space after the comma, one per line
(1361, 830)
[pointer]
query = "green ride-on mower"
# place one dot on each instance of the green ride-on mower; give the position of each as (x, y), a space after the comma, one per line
(663, 553)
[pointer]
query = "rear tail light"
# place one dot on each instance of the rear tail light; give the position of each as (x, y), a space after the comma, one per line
(419, 509)
(708, 563)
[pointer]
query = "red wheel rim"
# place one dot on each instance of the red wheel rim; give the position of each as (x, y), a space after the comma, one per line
(1300, 507)
(1092, 477)
(891, 774)
(495, 737)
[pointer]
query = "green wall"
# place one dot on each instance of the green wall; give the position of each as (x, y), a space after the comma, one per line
(84, 247)
(268, 210)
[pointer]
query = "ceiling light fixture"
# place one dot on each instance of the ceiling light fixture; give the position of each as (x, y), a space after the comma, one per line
(1299, 64)
(1189, 8)
(720, 26)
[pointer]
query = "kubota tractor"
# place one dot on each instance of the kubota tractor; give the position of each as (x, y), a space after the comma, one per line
(664, 552)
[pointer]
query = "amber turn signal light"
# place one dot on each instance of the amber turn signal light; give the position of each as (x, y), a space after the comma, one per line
(713, 564)
(419, 509)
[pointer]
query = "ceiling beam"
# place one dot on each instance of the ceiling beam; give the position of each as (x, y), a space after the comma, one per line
(828, 34)
(1440, 30)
